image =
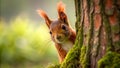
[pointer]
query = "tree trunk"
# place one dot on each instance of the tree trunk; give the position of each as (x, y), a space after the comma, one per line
(98, 35)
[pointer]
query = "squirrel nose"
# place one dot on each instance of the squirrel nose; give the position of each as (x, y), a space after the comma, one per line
(58, 37)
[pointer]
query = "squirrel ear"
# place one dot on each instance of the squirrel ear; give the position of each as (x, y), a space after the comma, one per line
(44, 15)
(61, 12)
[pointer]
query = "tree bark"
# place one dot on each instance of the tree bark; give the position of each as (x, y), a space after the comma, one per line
(98, 35)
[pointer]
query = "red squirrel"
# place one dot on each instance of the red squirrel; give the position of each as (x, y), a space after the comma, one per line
(61, 32)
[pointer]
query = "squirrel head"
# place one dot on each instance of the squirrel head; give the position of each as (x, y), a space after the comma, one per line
(59, 29)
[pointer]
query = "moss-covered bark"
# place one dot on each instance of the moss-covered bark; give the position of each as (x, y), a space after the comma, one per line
(71, 60)
(110, 60)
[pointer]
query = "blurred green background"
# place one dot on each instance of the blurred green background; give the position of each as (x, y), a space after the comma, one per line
(24, 37)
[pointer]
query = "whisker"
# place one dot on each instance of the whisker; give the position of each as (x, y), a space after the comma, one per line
(46, 46)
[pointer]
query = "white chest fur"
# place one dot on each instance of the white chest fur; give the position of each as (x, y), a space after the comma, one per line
(67, 46)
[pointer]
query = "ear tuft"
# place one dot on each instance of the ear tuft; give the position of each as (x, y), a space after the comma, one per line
(60, 7)
(41, 13)
(44, 15)
(61, 12)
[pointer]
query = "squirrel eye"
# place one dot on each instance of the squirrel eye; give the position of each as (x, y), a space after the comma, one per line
(50, 32)
(63, 27)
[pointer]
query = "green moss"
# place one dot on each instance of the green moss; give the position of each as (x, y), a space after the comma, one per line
(108, 33)
(110, 60)
(82, 57)
(115, 28)
(117, 46)
(53, 66)
(106, 25)
(109, 11)
(72, 58)
(79, 38)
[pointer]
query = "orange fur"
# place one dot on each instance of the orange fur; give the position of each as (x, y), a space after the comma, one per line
(60, 7)
(62, 53)
(61, 12)
(44, 15)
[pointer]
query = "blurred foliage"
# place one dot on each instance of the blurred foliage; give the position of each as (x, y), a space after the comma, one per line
(12, 8)
(25, 45)
(24, 40)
